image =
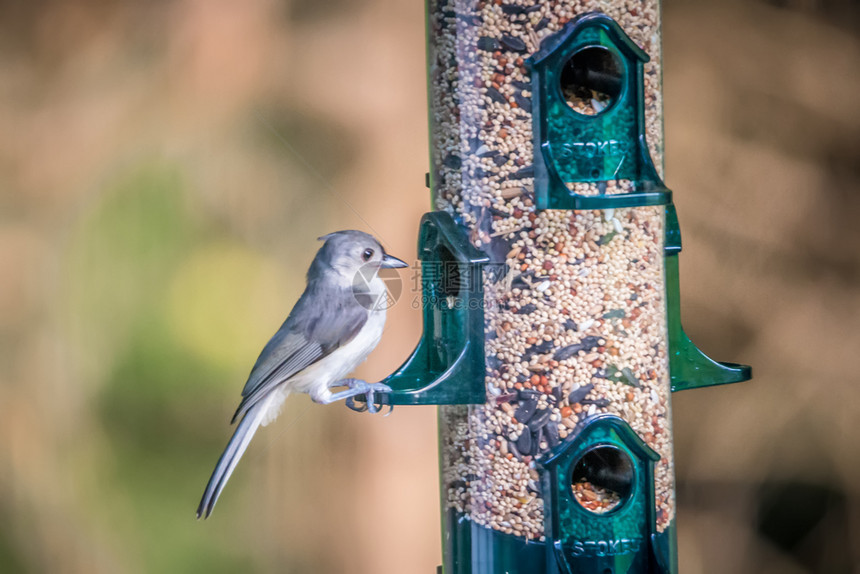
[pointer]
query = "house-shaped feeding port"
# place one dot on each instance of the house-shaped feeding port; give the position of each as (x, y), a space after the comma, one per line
(611, 530)
(588, 118)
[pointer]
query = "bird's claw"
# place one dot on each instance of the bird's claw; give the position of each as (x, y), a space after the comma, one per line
(351, 404)
(368, 390)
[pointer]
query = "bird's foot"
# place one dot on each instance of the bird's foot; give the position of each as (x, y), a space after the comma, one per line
(357, 387)
(361, 406)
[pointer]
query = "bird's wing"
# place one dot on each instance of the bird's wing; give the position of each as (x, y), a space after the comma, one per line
(321, 321)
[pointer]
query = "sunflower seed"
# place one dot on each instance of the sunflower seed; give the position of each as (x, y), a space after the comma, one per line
(496, 96)
(524, 443)
(452, 161)
(526, 172)
(523, 102)
(525, 411)
(513, 43)
(579, 394)
(488, 44)
(539, 419)
(551, 433)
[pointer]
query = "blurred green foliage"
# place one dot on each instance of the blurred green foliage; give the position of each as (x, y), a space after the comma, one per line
(177, 308)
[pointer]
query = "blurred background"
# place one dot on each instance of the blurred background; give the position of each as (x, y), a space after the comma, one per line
(165, 168)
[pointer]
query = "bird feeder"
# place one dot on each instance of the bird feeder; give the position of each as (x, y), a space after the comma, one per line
(552, 337)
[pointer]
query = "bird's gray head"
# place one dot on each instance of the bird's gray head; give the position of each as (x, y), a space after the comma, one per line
(347, 252)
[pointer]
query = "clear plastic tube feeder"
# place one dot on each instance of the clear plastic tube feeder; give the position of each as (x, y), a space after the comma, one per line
(552, 337)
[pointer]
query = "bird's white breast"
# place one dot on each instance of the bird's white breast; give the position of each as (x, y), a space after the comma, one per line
(317, 378)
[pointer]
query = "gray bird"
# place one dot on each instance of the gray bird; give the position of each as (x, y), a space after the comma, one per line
(335, 324)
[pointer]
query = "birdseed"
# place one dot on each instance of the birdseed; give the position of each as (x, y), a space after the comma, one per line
(595, 498)
(577, 324)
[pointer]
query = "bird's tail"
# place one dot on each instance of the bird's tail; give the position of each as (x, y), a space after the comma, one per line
(231, 455)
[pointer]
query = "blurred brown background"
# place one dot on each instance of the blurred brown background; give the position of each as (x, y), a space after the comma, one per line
(165, 168)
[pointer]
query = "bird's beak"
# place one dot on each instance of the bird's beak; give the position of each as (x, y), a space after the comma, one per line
(391, 262)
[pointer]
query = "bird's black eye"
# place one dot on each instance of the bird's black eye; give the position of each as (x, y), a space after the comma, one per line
(368, 253)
